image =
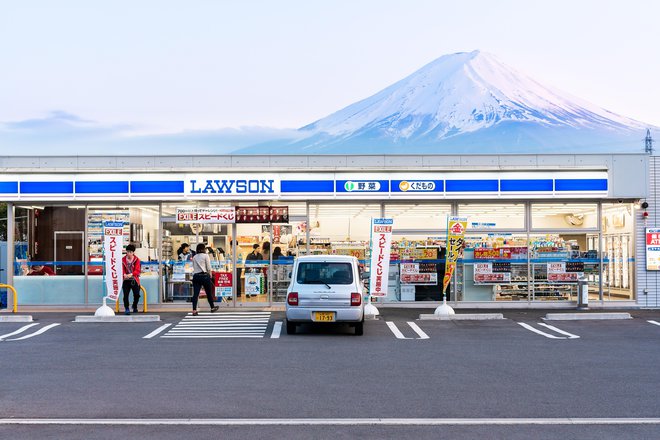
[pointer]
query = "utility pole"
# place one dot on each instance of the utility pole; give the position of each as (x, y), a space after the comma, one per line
(648, 142)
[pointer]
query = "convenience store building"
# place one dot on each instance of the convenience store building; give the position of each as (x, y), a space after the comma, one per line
(536, 223)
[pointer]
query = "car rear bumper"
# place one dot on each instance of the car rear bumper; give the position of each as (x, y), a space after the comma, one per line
(306, 314)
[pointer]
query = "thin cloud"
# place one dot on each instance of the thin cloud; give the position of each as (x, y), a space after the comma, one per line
(61, 132)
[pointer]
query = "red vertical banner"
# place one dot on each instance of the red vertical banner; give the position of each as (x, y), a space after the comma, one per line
(381, 242)
(113, 236)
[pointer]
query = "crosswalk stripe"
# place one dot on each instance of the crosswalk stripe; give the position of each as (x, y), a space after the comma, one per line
(652, 322)
(221, 325)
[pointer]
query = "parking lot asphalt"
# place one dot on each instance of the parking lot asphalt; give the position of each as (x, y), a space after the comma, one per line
(431, 369)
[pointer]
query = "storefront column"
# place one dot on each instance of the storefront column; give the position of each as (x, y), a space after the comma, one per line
(307, 238)
(10, 253)
(601, 239)
(234, 263)
(530, 270)
(86, 254)
(159, 256)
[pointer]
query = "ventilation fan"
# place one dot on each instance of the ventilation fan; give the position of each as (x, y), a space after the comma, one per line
(574, 219)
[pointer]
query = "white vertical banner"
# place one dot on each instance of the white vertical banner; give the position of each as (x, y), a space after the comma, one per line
(381, 241)
(113, 236)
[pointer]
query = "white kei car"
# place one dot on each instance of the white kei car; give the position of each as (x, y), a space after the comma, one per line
(325, 288)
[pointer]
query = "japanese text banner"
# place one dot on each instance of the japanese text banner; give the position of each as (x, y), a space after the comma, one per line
(113, 236)
(219, 214)
(455, 239)
(381, 241)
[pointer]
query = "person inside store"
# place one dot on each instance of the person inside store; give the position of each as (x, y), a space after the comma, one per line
(131, 268)
(277, 253)
(202, 277)
(220, 253)
(184, 252)
(255, 255)
(265, 250)
(40, 269)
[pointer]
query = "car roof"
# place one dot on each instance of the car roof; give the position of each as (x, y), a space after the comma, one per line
(326, 258)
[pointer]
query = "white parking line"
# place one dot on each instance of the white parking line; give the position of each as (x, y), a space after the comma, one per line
(155, 332)
(652, 322)
(339, 422)
(418, 330)
(395, 330)
(277, 329)
(532, 329)
(37, 333)
(561, 332)
(20, 330)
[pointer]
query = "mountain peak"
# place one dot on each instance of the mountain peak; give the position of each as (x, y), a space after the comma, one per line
(458, 94)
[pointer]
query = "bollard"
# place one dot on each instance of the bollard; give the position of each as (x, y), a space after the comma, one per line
(144, 299)
(583, 295)
(15, 297)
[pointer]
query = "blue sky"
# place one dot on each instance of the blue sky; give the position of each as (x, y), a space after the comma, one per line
(88, 71)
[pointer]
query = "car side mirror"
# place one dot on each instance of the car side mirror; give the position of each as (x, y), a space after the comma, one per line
(365, 275)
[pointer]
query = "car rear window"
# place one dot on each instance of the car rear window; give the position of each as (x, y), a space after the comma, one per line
(325, 273)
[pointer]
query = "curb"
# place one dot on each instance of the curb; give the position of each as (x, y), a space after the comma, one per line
(585, 316)
(124, 318)
(462, 317)
(16, 318)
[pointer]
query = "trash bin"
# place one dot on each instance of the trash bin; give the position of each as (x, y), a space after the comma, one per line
(583, 295)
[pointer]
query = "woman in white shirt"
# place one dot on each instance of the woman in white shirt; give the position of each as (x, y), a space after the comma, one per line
(202, 278)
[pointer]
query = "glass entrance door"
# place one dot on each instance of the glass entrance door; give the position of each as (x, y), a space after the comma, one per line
(253, 257)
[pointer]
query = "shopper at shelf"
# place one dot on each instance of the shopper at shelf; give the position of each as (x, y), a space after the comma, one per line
(277, 253)
(202, 278)
(40, 269)
(131, 268)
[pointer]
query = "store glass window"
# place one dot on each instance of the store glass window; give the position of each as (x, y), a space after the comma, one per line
(559, 261)
(618, 256)
(417, 253)
(50, 254)
(418, 216)
(141, 229)
(342, 229)
(503, 216)
(179, 241)
(550, 216)
(494, 268)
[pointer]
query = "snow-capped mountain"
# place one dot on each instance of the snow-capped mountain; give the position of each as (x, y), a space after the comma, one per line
(469, 102)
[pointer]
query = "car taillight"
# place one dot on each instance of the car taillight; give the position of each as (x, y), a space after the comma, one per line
(356, 299)
(292, 299)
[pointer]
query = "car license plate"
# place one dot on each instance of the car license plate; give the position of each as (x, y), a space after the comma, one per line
(324, 316)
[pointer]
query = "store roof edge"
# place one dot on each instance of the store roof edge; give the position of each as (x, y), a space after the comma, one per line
(320, 163)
